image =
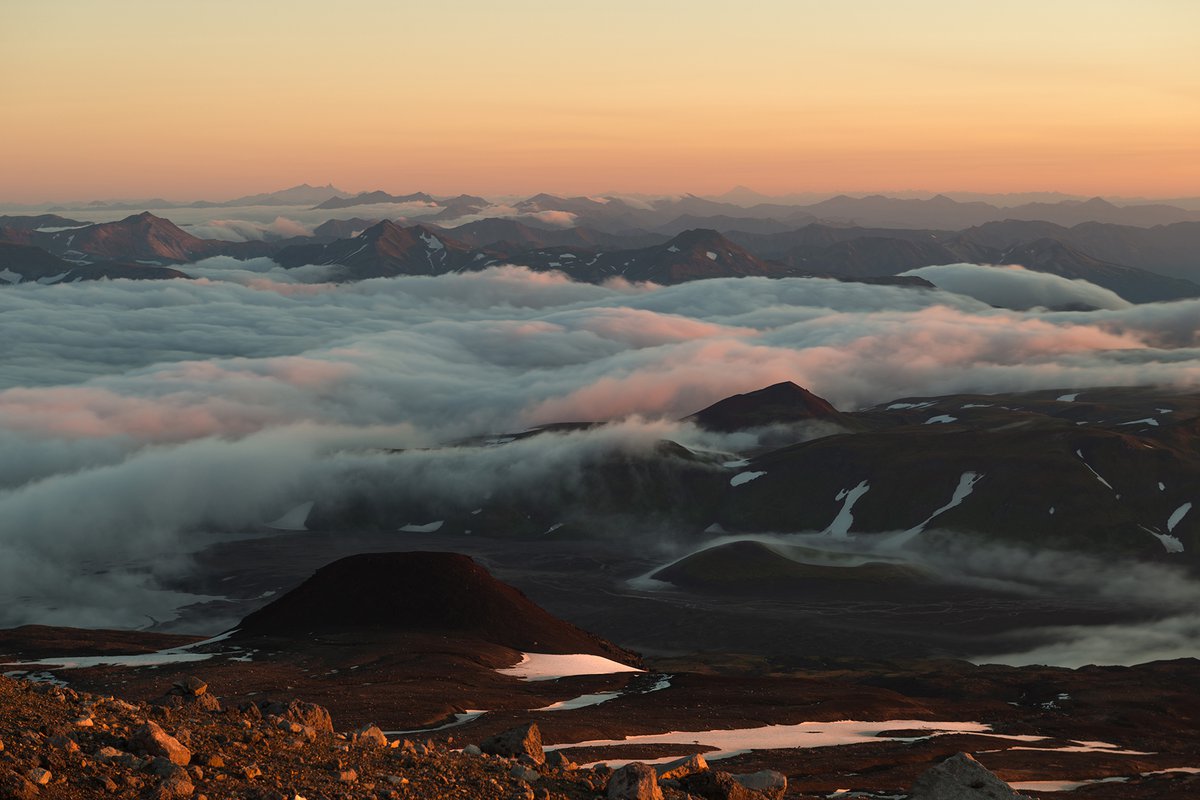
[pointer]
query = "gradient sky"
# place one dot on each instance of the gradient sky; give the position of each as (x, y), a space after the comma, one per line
(133, 98)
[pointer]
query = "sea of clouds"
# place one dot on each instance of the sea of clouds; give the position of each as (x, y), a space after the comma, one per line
(136, 415)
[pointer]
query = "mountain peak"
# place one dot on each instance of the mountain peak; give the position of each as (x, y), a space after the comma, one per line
(779, 403)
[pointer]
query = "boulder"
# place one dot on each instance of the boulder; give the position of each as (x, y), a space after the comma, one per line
(961, 777)
(154, 741)
(768, 783)
(681, 767)
(525, 740)
(191, 686)
(370, 736)
(713, 785)
(635, 781)
(314, 716)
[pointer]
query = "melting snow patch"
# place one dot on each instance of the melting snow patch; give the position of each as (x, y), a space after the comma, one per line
(583, 701)
(431, 241)
(428, 527)
(840, 526)
(549, 667)
(1170, 543)
(711, 255)
(553, 528)
(294, 520)
(741, 462)
(977, 405)
(672, 249)
(729, 743)
(903, 406)
(1161, 486)
(1067, 398)
(966, 484)
(7, 274)
(1060, 786)
(461, 718)
(744, 477)
(1177, 516)
(36, 677)
(1146, 421)
(1089, 466)
(173, 655)
(942, 418)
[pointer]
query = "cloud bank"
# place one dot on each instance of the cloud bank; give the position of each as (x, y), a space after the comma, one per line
(1014, 287)
(136, 416)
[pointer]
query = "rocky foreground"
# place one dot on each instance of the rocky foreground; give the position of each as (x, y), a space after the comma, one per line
(56, 742)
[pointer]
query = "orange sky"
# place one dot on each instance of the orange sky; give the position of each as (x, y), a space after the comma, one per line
(130, 98)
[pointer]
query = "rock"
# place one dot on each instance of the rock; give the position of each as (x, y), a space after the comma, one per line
(523, 741)
(314, 716)
(111, 755)
(674, 770)
(251, 771)
(64, 743)
(191, 685)
(524, 773)
(177, 785)
(208, 703)
(961, 777)
(635, 781)
(38, 776)
(84, 722)
(768, 782)
(472, 750)
(370, 736)
(163, 768)
(17, 787)
(556, 759)
(347, 776)
(154, 741)
(713, 785)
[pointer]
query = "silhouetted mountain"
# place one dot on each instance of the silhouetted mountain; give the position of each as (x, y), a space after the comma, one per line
(944, 213)
(1165, 249)
(33, 222)
(692, 255)
(724, 223)
(368, 198)
(142, 237)
(506, 235)
(781, 403)
(302, 195)
(1135, 285)
(343, 228)
(462, 206)
(26, 263)
(387, 249)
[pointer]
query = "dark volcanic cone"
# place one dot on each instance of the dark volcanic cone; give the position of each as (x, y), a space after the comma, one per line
(423, 593)
(778, 404)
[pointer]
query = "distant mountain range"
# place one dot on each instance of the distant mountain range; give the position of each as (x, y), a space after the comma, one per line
(1141, 264)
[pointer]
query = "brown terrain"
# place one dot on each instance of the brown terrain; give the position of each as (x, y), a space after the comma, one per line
(417, 679)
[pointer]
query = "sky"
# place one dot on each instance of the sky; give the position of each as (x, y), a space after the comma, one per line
(185, 100)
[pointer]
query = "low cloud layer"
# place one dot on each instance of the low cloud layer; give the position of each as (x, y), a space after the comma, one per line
(135, 415)
(1017, 288)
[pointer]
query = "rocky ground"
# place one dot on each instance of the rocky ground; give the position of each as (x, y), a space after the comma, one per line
(81, 727)
(60, 743)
